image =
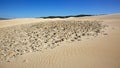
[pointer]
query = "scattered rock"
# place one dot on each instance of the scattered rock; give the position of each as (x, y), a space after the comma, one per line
(23, 39)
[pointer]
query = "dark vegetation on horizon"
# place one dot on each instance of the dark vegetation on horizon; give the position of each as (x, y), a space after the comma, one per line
(65, 16)
(52, 17)
(3, 18)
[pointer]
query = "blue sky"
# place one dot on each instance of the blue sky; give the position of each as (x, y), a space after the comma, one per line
(38, 8)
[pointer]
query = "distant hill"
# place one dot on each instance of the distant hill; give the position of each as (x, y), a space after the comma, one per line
(65, 16)
(3, 18)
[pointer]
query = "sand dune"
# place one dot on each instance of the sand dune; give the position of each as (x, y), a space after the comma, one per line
(87, 42)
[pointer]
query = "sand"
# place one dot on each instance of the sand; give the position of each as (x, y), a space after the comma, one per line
(70, 45)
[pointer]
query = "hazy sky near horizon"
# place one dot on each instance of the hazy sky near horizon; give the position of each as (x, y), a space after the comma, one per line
(38, 8)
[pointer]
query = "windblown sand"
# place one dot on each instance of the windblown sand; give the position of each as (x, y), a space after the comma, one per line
(87, 42)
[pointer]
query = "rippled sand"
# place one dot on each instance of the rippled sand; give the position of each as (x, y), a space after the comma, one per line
(87, 42)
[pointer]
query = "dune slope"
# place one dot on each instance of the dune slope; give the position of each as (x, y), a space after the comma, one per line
(61, 43)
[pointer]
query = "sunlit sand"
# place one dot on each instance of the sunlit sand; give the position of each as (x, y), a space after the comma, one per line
(80, 42)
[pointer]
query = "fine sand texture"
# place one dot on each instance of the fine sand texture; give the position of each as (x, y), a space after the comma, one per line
(82, 42)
